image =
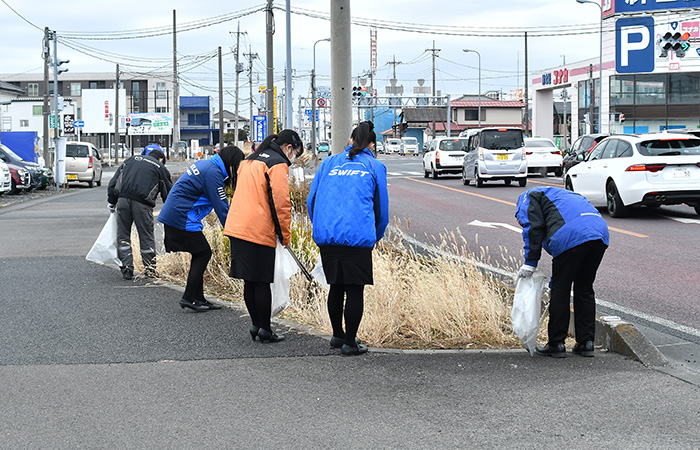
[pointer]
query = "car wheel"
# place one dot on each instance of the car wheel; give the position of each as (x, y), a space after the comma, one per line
(558, 172)
(507, 181)
(91, 182)
(477, 180)
(426, 174)
(465, 181)
(433, 173)
(567, 184)
(615, 206)
(13, 188)
(99, 182)
(523, 181)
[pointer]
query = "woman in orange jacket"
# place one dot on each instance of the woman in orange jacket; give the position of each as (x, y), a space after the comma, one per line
(261, 213)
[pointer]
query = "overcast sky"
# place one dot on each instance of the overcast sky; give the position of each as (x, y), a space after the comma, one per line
(502, 58)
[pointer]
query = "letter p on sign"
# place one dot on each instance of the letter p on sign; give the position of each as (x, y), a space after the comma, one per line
(634, 46)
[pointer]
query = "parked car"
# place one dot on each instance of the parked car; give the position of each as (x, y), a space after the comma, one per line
(543, 156)
(582, 146)
(21, 180)
(626, 171)
(409, 146)
(444, 155)
(5, 178)
(495, 154)
(379, 147)
(46, 178)
(393, 146)
(83, 163)
(32, 169)
(323, 147)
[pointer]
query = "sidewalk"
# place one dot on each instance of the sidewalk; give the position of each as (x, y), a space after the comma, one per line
(89, 360)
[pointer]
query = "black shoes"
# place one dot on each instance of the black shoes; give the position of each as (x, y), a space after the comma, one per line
(557, 350)
(583, 348)
(352, 350)
(127, 273)
(254, 331)
(210, 304)
(269, 336)
(195, 305)
(337, 342)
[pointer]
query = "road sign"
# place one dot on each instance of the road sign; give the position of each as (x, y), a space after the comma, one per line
(634, 46)
(308, 114)
(321, 102)
(68, 124)
(78, 123)
(259, 128)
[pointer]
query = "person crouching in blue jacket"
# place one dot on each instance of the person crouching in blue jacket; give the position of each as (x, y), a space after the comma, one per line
(569, 228)
(349, 209)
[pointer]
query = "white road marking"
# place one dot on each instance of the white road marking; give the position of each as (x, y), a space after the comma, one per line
(684, 219)
(479, 223)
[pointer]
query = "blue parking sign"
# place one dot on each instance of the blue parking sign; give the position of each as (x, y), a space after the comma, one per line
(259, 128)
(634, 45)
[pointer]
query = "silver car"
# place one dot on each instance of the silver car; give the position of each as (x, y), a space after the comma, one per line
(495, 154)
(83, 163)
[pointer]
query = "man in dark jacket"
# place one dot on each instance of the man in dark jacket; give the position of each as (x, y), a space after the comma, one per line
(569, 228)
(132, 192)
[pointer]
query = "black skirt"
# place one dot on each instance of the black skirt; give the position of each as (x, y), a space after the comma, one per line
(347, 265)
(185, 241)
(252, 262)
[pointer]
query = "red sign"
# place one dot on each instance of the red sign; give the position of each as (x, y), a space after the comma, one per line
(321, 102)
(106, 109)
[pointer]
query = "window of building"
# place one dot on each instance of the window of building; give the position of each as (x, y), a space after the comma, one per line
(136, 109)
(473, 114)
(75, 90)
(161, 109)
(23, 123)
(93, 85)
(135, 91)
(33, 89)
(37, 110)
(50, 87)
(650, 89)
(622, 90)
(683, 88)
(160, 89)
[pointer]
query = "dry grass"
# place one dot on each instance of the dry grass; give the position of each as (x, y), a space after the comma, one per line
(416, 302)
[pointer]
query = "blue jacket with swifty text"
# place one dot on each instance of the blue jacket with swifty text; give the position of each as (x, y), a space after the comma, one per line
(557, 220)
(199, 190)
(348, 200)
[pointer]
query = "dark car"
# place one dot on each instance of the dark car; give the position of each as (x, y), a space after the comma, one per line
(33, 169)
(580, 149)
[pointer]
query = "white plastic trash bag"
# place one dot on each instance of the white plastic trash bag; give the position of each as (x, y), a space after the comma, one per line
(104, 250)
(319, 275)
(285, 267)
(526, 309)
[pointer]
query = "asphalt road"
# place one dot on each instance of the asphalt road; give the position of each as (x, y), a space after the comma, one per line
(88, 360)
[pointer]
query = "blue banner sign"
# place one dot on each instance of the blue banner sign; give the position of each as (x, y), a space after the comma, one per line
(259, 128)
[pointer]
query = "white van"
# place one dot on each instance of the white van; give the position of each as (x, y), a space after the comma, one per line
(495, 154)
(393, 146)
(409, 146)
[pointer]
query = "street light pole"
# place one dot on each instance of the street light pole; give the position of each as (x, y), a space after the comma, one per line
(313, 99)
(479, 55)
(600, 66)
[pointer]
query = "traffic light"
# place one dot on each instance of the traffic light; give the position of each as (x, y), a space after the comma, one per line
(665, 42)
(359, 91)
(622, 118)
(586, 118)
(674, 41)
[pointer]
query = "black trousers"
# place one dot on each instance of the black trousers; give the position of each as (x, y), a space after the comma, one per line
(132, 212)
(577, 266)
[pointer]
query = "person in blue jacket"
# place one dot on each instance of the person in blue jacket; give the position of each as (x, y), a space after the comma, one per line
(349, 208)
(569, 228)
(194, 195)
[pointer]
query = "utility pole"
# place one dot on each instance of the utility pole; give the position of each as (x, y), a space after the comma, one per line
(116, 118)
(394, 63)
(45, 109)
(434, 51)
(238, 72)
(527, 106)
(176, 88)
(251, 56)
(270, 91)
(341, 74)
(288, 81)
(221, 103)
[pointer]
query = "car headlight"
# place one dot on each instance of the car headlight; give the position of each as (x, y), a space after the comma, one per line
(22, 172)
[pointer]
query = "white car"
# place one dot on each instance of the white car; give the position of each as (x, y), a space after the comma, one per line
(626, 171)
(393, 146)
(409, 146)
(543, 156)
(444, 155)
(5, 178)
(83, 163)
(379, 147)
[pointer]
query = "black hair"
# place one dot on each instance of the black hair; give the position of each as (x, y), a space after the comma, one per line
(282, 138)
(157, 154)
(232, 157)
(361, 137)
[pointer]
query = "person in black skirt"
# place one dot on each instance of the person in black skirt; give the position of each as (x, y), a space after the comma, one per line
(260, 214)
(193, 196)
(349, 208)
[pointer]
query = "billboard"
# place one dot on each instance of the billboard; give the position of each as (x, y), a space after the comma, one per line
(149, 124)
(98, 109)
(638, 6)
